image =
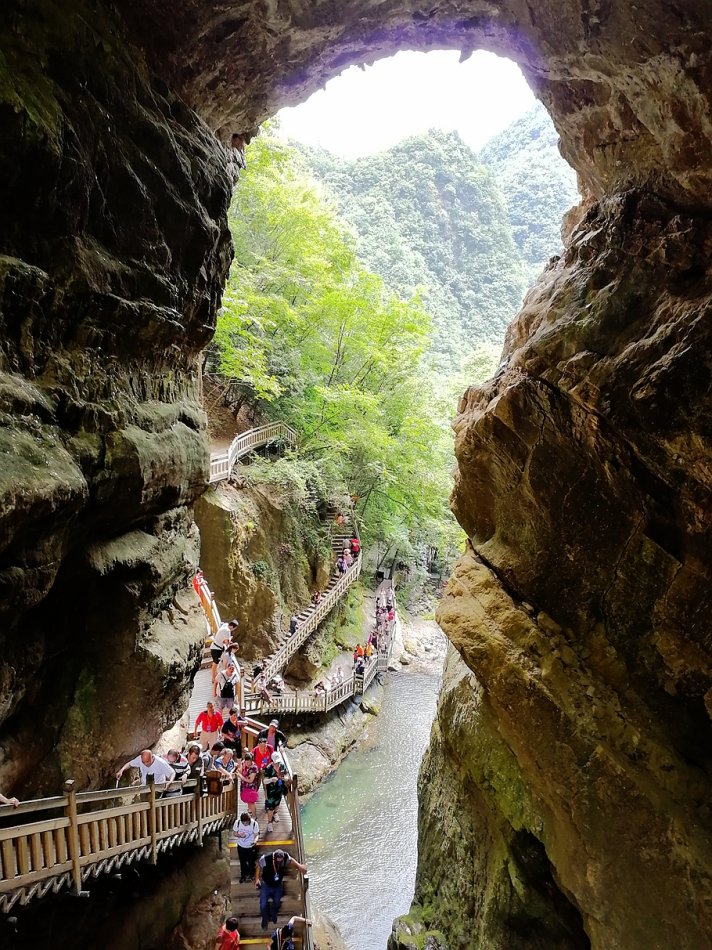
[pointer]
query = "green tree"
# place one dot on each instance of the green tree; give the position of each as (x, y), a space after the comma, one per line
(314, 338)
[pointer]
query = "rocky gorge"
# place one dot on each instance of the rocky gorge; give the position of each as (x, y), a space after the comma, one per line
(578, 703)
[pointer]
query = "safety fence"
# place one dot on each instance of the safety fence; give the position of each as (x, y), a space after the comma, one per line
(222, 463)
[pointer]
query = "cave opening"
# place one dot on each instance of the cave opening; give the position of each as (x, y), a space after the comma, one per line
(109, 114)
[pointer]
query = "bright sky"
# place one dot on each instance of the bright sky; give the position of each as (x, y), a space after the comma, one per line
(360, 113)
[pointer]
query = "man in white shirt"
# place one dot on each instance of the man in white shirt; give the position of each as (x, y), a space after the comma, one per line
(221, 641)
(149, 764)
(247, 832)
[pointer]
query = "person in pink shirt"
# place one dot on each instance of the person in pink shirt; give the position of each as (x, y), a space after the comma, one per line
(208, 724)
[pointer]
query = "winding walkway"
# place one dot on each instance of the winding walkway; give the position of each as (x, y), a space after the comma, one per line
(63, 842)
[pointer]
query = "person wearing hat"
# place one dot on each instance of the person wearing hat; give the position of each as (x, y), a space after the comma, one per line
(276, 783)
(275, 738)
(271, 869)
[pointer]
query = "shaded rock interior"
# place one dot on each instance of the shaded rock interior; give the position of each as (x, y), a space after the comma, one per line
(584, 472)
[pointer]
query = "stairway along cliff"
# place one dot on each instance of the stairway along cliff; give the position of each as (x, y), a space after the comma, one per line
(581, 609)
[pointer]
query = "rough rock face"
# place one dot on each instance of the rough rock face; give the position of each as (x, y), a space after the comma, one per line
(260, 554)
(627, 85)
(583, 481)
(583, 468)
(113, 250)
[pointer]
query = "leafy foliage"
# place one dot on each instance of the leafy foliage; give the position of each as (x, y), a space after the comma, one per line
(315, 339)
(537, 184)
(430, 218)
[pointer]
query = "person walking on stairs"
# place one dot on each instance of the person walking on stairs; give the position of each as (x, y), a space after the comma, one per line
(226, 686)
(207, 726)
(283, 937)
(247, 832)
(250, 784)
(263, 753)
(269, 879)
(276, 784)
(228, 936)
(275, 738)
(221, 641)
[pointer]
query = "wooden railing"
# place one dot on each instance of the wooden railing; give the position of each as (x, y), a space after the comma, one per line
(222, 463)
(65, 840)
(307, 701)
(301, 851)
(281, 657)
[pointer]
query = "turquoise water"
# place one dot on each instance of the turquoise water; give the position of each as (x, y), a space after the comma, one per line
(360, 826)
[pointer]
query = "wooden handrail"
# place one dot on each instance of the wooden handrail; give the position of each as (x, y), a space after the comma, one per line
(63, 844)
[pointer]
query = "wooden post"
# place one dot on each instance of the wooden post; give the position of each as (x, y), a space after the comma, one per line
(150, 780)
(73, 834)
(199, 808)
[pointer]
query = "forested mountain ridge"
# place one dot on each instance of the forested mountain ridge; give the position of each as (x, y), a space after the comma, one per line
(537, 185)
(426, 214)
(472, 230)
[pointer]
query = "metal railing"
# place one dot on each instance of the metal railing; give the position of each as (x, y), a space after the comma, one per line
(222, 463)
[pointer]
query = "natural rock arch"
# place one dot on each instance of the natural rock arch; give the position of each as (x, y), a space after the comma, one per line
(584, 471)
(627, 85)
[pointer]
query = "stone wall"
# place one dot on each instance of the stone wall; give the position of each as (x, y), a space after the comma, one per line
(113, 250)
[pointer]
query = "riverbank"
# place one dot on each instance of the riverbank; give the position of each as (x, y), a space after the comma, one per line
(317, 747)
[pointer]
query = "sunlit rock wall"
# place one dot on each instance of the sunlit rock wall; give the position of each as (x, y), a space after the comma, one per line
(583, 608)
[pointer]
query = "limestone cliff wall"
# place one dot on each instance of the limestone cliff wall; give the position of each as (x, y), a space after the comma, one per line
(262, 554)
(113, 249)
(582, 606)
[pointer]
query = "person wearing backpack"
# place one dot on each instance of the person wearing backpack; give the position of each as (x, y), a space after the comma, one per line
(269, 879)
(226, 688)
(221, 641)
(228, 936)
(283, 937)
(247, 832)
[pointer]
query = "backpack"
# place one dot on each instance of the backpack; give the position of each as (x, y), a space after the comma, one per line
(228, 690)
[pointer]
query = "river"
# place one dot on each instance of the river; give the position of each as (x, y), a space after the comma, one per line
(360, 826)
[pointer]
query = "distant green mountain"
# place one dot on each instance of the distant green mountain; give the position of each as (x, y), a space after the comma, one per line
(537, 185)
(427, 215)
(469, 231)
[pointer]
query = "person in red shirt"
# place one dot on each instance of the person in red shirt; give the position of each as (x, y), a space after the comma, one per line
(208, 724)
(228, 936)
(263, 754)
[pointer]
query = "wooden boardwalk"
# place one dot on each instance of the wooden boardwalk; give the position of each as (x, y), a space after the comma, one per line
(65, 841)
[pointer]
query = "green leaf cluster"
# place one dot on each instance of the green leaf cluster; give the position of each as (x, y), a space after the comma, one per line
(429, 218)
(314, 338)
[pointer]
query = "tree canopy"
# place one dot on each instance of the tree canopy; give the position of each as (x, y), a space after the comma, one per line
(316, 339)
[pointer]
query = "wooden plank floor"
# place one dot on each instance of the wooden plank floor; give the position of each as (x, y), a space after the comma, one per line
(245, 897)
